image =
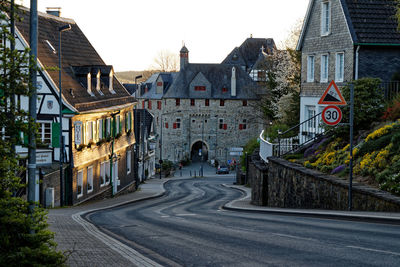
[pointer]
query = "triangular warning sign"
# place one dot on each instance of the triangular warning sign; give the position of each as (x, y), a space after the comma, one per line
(332, 96)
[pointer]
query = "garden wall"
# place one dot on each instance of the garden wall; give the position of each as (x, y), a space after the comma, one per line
(288, 185)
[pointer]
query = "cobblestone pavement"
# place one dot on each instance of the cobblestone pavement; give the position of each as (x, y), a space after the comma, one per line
(87, 246)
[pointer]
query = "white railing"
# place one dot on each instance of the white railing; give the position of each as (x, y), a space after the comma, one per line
(266, 148)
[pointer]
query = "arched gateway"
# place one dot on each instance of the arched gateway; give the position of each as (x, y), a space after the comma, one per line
(199, 151)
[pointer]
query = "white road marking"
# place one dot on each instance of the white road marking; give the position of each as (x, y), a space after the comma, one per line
(165, 216)
(125, 251)
(186, 214)
(293, 236)
(376, 250)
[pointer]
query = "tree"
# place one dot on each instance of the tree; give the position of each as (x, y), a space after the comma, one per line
(24, 239)
(166, 61)
(283, 69)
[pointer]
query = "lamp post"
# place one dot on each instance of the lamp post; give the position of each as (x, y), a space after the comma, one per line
(162, 122)
(61, 29)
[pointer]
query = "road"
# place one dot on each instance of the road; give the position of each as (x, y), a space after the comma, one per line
(187, 227)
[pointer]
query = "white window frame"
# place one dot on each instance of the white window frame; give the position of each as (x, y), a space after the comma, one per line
(108, 128)
(117, 124)
(89, 84)
(310, 68)
(326, 16)
(128, 161)
(42, 132)
(311, 112)
(103, 174)
(79, 182)
(324, 68)
(339, 70)
(89, 180)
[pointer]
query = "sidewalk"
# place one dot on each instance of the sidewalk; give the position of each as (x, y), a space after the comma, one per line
(90, 247)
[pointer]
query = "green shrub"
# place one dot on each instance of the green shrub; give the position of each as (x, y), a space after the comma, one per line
(248, 149)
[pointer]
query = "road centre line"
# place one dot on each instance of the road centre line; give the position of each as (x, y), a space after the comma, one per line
(294, 237)
(375, 250)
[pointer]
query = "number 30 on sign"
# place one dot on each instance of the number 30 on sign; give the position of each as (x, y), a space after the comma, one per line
(331, 115)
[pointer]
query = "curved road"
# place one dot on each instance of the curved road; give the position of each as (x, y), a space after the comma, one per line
(187, 227)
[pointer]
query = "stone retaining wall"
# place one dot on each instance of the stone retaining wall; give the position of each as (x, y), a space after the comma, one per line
(288, 185)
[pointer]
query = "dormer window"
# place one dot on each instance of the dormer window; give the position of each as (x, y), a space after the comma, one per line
(110, 85)
(98, 83)
(89, 84)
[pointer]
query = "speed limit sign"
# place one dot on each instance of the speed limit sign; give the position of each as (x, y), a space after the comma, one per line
(331, 115)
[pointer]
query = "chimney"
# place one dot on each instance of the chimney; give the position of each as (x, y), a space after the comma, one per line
(55, 11)
(184, 55)
(233, 82)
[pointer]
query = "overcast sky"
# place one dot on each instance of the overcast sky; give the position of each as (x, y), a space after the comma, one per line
(129, 34)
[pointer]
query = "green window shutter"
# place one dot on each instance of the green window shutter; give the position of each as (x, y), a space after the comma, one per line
(103, 121)
(120, 124)
(113, 124)
(55, 134)
(126, 122)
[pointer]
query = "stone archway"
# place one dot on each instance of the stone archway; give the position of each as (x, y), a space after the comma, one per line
(195, 154)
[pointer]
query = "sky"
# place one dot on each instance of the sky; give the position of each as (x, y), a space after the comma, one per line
(129, 34)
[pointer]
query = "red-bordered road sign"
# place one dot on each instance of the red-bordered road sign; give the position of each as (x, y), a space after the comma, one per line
(331, 115)
(332, 96)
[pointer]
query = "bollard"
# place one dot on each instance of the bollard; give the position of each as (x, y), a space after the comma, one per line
(181, 173)
(190, 173)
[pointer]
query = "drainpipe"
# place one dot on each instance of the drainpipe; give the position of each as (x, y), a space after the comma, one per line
(356, 67)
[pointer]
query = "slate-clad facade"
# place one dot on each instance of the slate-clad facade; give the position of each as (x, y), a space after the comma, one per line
(343, 40)
(97, 112)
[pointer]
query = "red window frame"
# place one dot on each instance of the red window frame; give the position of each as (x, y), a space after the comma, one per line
(192, 102)
(224, 90)
(143, 104)
(221, 103)
(177, 102)
(244, 103)
(149, 104)
(199, 88)
(207, 102)
(166, 125)
(158, 104)
(159, 83)
(225, 126)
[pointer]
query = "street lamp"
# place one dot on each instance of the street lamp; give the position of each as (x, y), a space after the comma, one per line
(162, 122)
(61, 29)
(137, 87)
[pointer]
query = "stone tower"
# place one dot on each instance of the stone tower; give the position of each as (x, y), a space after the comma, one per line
(184, 55)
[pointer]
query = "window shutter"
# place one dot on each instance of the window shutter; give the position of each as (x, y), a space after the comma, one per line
(113, 126)
(120, 125)
(174, 125)
(83, 133)
(225, 126)
(166, 125)
(94, 127)
(55, 134)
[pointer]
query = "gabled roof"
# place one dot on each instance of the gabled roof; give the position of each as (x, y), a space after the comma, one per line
(150, 83)
(78, 56)
(219, 75)
(247, 53)
(370, 22)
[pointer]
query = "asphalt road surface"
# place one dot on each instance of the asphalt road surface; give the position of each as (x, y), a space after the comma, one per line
(187, 227)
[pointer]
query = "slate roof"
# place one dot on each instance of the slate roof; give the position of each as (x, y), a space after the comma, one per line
(78, 56)
(219, 75)
(248, 52)
(370, 22)
(373, 21)
(150, 83)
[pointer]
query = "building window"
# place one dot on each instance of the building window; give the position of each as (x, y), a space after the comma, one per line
(90, 179)
(158, 104)
(118, 124)
(339, 72)
(222, 125)
(310, 113)
(143, 104)
(159, 83)
(243, 125)
(177, 124)
(166, 125)
(324, 68)
(89, 83)
(199, 88)
(192, 102)
(224, 90)
(89, 131)
(103, 173)
(108, 127)
(100, 129)
(149, 104)
(244, 103)
(326, 18)
(79, 184)
(177, 102)
(207, 102)
(98, 81)
(221, 102)
(45, 132)
(310, 68)
(261, 75)
(110, 84)
(128, 161)
(128, 121)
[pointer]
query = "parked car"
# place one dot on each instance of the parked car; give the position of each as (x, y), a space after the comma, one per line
(222, 170)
